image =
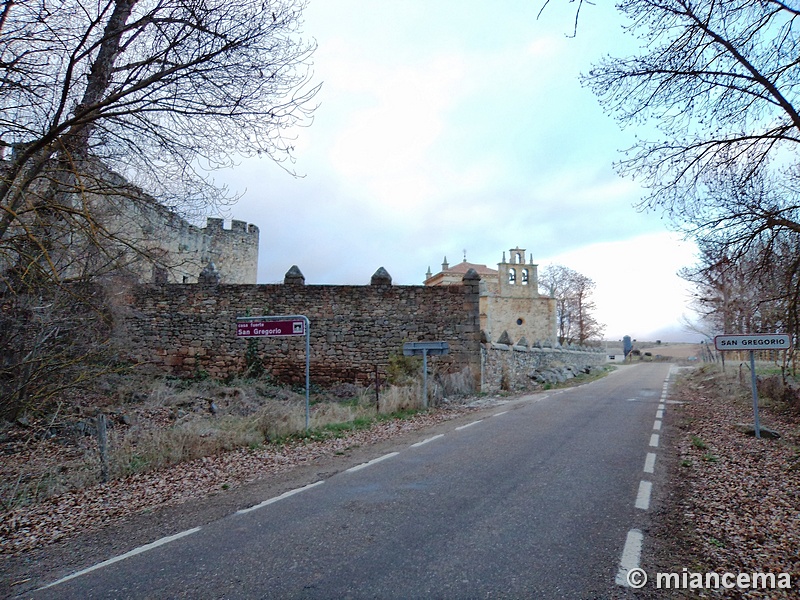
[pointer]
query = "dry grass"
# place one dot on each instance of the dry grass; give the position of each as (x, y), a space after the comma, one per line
(163, 422)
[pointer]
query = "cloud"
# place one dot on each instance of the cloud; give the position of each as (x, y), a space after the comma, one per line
(442, 129)
(639, 292)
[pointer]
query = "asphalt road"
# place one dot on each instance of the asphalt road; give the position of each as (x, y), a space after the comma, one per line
(532, 499)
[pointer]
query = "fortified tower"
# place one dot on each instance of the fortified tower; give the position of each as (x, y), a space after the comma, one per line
(234, 251)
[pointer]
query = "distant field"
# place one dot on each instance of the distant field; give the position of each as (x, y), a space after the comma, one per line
(676, 351)
(680, 351)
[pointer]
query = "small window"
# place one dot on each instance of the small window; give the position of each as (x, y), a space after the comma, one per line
(512, 276)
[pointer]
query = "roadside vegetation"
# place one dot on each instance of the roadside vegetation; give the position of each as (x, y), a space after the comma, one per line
(172, 440)
(155, 422)
(734, 499)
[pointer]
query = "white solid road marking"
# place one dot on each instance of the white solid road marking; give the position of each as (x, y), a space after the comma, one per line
(631, 554)
(372, 462)
(650, 462)
(468, 425)
(654, 440)
(643, 496)
(277, 498)
(134, 552)
(430, 439)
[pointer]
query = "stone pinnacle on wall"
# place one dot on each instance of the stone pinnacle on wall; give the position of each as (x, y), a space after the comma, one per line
(294, 277)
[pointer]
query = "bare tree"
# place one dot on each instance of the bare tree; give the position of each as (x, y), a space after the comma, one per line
(154, 90)
(755, 293)
(99, 100)
(719, 80)
(574, 306)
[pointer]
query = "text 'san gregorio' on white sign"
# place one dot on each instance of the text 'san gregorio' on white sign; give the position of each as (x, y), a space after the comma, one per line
(765, 341)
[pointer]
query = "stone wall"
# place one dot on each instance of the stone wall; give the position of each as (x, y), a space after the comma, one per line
(175, 251)
(234, 251)
(520, 368)
(530, 319)
(186, 329)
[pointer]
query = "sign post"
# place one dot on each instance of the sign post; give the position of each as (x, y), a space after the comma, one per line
(279, 326)
(425, 348)
(751, 343)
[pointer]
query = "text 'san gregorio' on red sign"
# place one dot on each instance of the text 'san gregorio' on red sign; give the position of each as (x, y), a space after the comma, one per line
(284, 328)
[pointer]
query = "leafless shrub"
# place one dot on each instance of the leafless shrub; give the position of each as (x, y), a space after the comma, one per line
(280, 420)
(51, 343)
(778, 390)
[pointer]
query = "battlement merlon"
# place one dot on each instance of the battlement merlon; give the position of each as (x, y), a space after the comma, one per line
(215, 224)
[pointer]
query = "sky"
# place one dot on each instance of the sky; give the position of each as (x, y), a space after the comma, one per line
(459, 127)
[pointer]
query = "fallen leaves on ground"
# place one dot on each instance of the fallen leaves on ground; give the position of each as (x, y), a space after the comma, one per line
(28, 527)
(741, 505)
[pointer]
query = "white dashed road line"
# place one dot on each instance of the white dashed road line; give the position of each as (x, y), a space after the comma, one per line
(423, 442)
(650, 462)
(372, 462)
(643, 495)
(134, 552)
(468, 425)
(277, 498)
(631, 555)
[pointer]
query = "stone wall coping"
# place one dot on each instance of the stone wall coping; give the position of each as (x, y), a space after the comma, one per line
(507, 348)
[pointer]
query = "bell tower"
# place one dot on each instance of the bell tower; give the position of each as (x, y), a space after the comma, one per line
(516, 278)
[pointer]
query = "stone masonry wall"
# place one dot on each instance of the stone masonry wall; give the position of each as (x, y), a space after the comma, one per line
(185, 329)
(520, 368)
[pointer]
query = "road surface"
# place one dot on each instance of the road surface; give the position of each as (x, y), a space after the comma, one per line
(533, 498)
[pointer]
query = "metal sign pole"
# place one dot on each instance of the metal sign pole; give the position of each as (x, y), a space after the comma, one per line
(754, 382)
(308, 359)
(751, 342)
(425, 348)
(425, 378)
(280, 326)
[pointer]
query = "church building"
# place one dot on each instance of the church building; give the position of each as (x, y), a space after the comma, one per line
(510, 301)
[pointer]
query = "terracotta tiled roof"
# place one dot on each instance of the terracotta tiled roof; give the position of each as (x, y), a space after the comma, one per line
(465, 266)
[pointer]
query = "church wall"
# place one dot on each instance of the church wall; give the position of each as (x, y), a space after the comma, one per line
(538, 318)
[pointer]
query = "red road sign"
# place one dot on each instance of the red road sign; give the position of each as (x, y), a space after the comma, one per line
(265, 328)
